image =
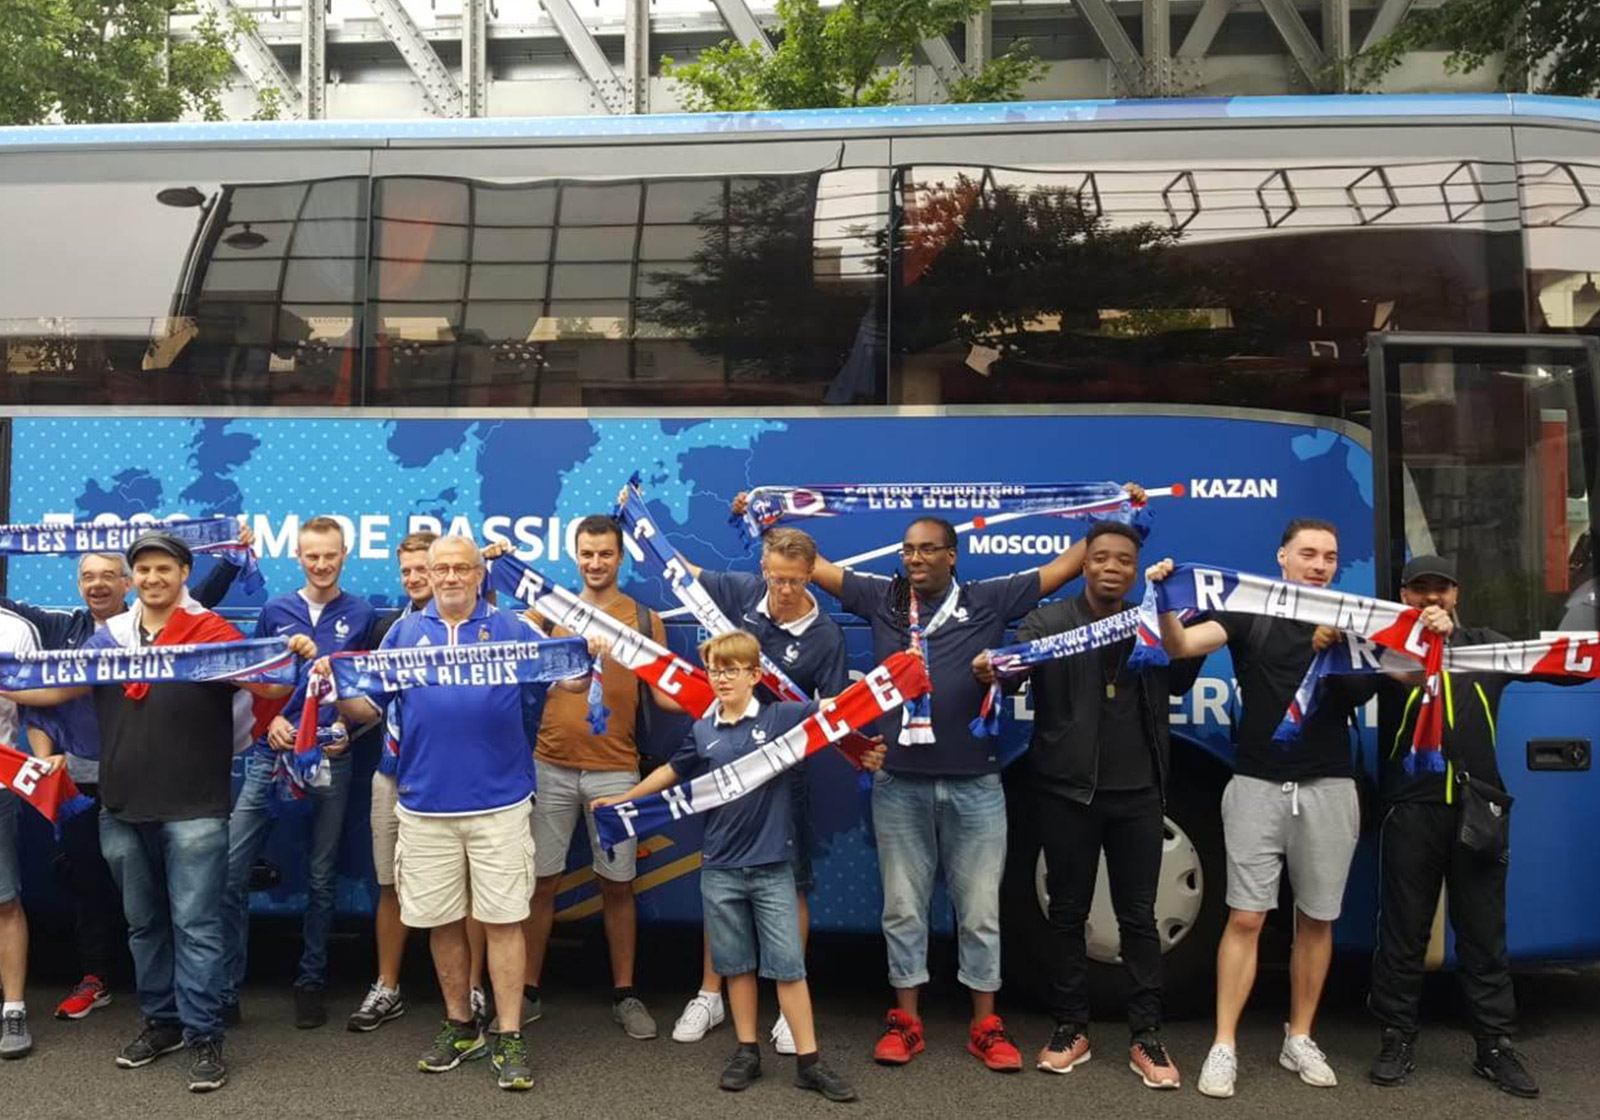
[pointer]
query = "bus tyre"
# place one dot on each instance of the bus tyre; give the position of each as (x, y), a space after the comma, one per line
(1190, 912)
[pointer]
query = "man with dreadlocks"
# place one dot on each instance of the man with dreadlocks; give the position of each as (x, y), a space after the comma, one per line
(938, 799)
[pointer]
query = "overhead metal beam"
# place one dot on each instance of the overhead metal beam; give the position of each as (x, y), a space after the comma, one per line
(943, 61)
(1207, 22)
(1157, 34)
(1390, 13)
(742, 22)
(1298, 38)
(439, 89)
(636, 55)
(254, 58)
(1115, 42)
(1336, 42)
(314, 59)
(588, 55)
(475, 57)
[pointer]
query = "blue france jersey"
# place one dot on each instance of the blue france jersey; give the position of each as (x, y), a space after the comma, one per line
(810, 652)
(757, 828)
(463, 748)
(343, 625)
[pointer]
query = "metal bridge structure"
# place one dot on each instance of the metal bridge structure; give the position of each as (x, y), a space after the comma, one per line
(314, 59)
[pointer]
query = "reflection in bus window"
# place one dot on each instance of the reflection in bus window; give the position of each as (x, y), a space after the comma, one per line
(1250, 284)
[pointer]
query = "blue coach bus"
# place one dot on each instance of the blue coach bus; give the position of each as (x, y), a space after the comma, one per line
(1378, 310)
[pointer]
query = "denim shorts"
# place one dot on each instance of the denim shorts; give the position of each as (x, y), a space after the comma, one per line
(10, 870)
(752, 915)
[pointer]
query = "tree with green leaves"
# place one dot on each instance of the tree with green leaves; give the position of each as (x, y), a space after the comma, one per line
(108, 61)
(1548, 46)
(836, 59)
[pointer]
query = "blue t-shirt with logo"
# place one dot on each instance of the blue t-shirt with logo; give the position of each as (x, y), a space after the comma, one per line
(344, 624)
(814, 659)
(463, 748)
(758, 828)
(977, 623)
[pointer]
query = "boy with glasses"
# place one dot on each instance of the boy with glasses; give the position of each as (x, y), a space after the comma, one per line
(747, 864)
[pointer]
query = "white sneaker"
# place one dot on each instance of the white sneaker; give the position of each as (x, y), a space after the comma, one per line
(1301, 1055)
(700, 1014)
(1219, 1072)
(782, 1036)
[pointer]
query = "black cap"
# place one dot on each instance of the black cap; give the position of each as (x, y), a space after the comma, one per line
(1421, 567)
(161, 542)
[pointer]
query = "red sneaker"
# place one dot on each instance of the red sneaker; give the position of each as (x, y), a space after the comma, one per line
(990, 1042)
(902, 1040)
(89, 994)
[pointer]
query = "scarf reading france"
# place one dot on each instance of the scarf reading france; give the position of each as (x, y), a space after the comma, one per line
(888, 686)
(218, 535)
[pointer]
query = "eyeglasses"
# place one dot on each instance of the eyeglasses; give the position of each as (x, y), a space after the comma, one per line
(926, 551)
(784, 583)
(729, 672)
(444, 571)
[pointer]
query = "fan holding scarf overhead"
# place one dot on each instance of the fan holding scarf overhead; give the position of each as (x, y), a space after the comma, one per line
(948, 622)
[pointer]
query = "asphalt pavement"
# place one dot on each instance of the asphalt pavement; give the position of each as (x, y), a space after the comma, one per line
(586, 1067)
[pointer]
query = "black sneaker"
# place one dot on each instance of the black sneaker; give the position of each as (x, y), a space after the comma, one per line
(1396, 1058)
(380, 1005)
(740, 1070)
(231, 1015)
(207, 1071)
(455, 1043)
(510, 1061)
(1503, 1066)
(310, 1011)
(155, 1040)
(820, 1079)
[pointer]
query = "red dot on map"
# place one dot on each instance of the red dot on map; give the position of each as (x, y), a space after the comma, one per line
(980, 523)
(1177, 489)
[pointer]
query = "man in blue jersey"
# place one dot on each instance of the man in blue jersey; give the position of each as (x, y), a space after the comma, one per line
(336, 621)
(104, 581)
(465, 780)
(808, 646)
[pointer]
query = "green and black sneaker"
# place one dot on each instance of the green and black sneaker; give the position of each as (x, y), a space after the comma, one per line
(456, 1043)
(511, 1061)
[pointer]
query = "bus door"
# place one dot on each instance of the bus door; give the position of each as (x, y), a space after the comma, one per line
(1485, 451)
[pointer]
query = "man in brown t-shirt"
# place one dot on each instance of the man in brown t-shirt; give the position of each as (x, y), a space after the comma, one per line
(575, 766)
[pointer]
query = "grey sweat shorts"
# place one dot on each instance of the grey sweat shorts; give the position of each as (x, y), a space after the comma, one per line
(1311, 827)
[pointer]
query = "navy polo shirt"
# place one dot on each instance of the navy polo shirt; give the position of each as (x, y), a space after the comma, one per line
(464, 749)
(343, 624)
(810, 651)
(757, 828)
(978, 623)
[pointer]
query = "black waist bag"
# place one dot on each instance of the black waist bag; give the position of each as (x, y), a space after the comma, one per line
(1484, 826)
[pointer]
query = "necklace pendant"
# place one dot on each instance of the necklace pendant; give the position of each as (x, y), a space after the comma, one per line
(1111, 692)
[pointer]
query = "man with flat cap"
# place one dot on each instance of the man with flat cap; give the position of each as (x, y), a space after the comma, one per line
(1421, 851)
(166, 755)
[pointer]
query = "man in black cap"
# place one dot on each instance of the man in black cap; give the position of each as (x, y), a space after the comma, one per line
(166, 757)
(1420, 851)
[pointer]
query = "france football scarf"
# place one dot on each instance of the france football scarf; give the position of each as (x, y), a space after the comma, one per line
(640, 655)
(52, 794)
(1010, 660)
(916, 718)
(988, 502)
(263, 660)
(666, 563)
(483, 664)
(899, 679)
(218, 535)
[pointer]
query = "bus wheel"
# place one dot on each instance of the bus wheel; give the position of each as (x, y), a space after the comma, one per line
(1190, 913)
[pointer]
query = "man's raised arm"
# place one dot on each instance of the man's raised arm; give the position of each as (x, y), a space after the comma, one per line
(1176, 638)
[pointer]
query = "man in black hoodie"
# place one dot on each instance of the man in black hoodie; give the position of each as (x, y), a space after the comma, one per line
(1098, 773)
(1420, 852)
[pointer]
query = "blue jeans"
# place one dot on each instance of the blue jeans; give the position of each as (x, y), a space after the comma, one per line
(10, 869)
(248, 831)
(921, 823)
(171, 876)
(753, 921)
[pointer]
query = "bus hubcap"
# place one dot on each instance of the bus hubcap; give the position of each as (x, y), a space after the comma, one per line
(1179, 892)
